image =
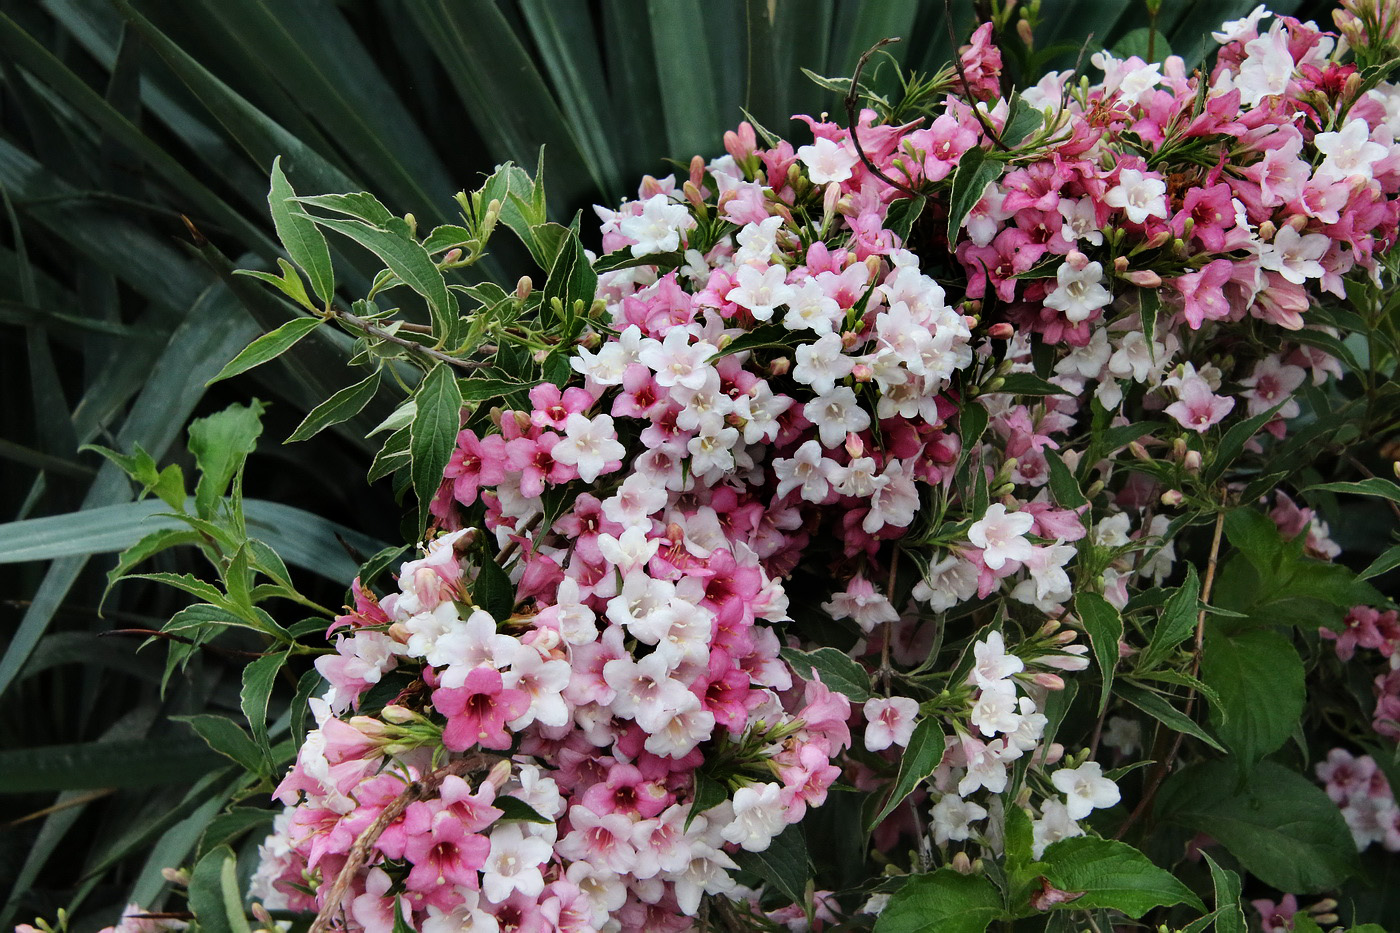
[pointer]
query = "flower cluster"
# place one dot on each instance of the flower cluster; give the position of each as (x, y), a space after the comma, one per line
(819, 433)
(1360, 788)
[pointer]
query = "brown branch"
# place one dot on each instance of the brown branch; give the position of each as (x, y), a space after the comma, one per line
(852, 101)
(373, 330)
(171, 636)
(420, 789)
(1159, 772)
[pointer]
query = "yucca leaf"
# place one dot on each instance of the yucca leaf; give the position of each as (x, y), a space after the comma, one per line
(685, 79)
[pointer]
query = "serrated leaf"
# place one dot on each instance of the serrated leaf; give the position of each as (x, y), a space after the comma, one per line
(1105, 628)
(433, 434)
(974, 173)
(220, 444)
(1283, 828)
(303, 242)
(268, 347)
(836, 669)
(342, 406)
(1258, 677)
(1113, 876)
(944, 901)
(921, 756)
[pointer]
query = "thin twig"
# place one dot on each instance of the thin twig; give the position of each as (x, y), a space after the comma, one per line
(1159, 772)
(171, 636)
(852, 101)
(967, 88)
(420, 789)
(373, 330)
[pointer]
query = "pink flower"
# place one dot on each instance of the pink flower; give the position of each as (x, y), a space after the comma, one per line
(477, 711)
(889, 721)
(1198, 407)
(1201, 292)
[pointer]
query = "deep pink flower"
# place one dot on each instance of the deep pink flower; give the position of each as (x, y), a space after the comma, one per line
(477, 711)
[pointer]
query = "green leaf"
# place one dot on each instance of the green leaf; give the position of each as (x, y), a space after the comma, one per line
(227, 738)
(268, 347)
(571, 277)
(836, 669)
(220, 443)
(360, 205)
(921, 756)
(1105, 628)
(768, 335)
(214, 895)
(1229, 915)
(513, 808)
(227, 827)
(1232, 444)
(407, 259)
(1177, 622)
(902, 215)
(1022, 121)
(342, 406)
(493, 591)
(1063, 484)
(1375, 486)
(116, 763)
(433, 434)
(1159, 709)
(974, 173)
(1139, 41)
(784, 864)
(708, 793)
(1027, 384)
(1259, 679)
(1149, 306)
(299, 235)
(1387, 562)
(258, 680)
(944, 901)
(1112, 875)
(1281, 826)
(480, 389)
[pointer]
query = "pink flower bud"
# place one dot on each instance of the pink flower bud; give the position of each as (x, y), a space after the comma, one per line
(862, 373)
(398, 715)
(1120, 265)
(849, 340)
(524, 287)
(855, 446)
(779, 366)
(1145, 278)
(1172, 498)
(1001, 331)
(1049, 681)
(1076, 260)
(1192, 462)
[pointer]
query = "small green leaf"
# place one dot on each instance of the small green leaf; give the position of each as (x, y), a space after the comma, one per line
(944, 901)
(784, 864)
(513, 808)
(836, 669)
(1159, 709)
(342, 406)
(258, 680)
(920, 758)
(480, 389)
(433, 434)
(1105, 628)
(214, 896)
(1112, 875)
(1387, 562)
(1177, 622)
(1063, 485)
(1022, 122)
(1375, 486)
(974, 173)
(493, 591)
(358, 204)
(902, 215)
(220, 443)
(768, 335)
(227, 738)
(303, 242)
(268, 347)
(1229, 915)
(1027, 384)
(708, 793)
(1149, 305)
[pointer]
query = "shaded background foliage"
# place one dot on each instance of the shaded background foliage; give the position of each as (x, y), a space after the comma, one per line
(118, 118)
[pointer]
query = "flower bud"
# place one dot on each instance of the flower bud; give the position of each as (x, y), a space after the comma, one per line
(1120, 265)
(524, 287)
(1267, 231)
(500, 773)
(262, 916)
(1172, 498)
(1144, 278)
(177, 876)
(850, 340)
(962, 864)
(1139, 452)
(692, 195)
(1049, 681)
(855, 446)
(1001, 331)
(1159, 239)
(1050, 627)
(650, 187)
(861, 372)
(779, 366)
(368, 726)
(398, 715)
(831, 198)
(1192, 462)
(1076, 260)
(1023, 30)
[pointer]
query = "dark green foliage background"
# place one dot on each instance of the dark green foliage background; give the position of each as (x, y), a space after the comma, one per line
(117, 117)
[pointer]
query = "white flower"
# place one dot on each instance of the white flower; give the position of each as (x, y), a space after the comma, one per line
(952, 818)
(1085, 789)
(1239, 28)
(889, 721)
(1349, 152)
(758, 817)
(821, 363)
(827, 161)
(1267, 67)
(657, 229)
(1080, 293)
(590, 444)
(811, 308)
(682, 730)
(1081, 223)
(1295, 256)
(950, 581)
(836, 414)
(999, 534)
(806, 468)
(1138, 195)
(514, 864)
(995, 709)
(1123, 734)
(762, 291)
(1054, 824)
(992, 664)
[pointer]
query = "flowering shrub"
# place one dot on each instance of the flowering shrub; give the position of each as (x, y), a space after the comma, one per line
(886, 530)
